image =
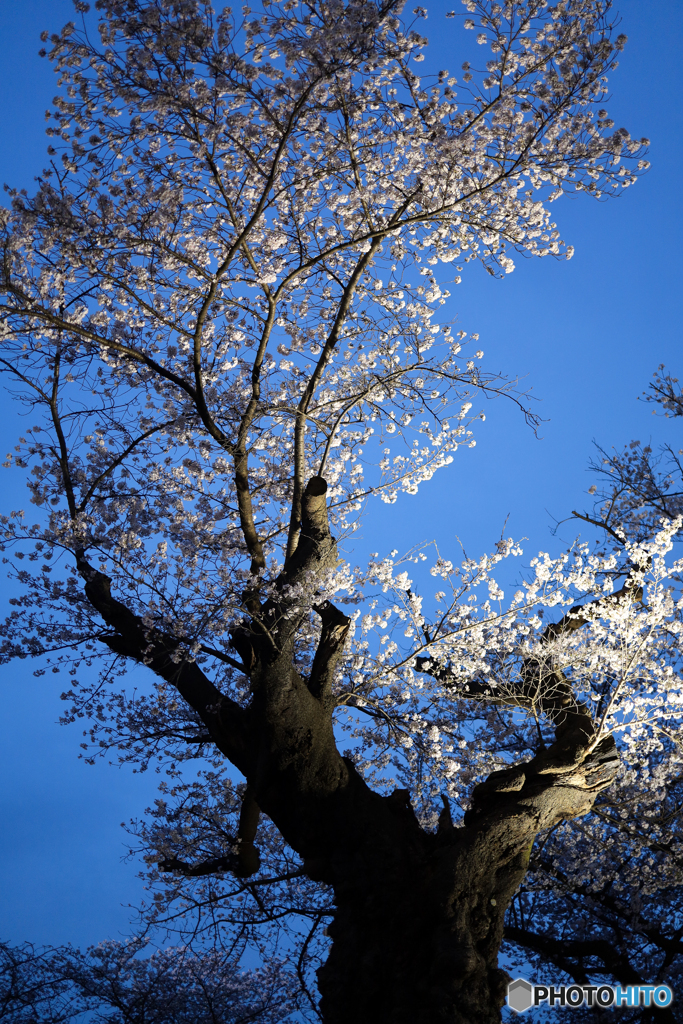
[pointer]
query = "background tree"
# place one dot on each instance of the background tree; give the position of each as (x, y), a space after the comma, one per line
(230, 191)
(110, 983)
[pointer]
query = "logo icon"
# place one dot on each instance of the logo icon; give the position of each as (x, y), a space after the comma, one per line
(520, 995)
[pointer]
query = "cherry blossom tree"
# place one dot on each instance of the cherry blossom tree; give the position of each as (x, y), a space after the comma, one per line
(111, 983)
(221, 310)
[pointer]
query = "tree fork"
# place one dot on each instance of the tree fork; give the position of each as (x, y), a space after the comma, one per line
(419, 916)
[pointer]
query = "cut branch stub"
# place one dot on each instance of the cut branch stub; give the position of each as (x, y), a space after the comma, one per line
(330, 646)
(316, 549)
(314, 522)
(312, 507)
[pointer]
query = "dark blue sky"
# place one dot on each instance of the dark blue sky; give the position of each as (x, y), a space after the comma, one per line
(588, 334)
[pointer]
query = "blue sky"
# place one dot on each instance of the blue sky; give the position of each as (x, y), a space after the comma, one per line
(587, 335)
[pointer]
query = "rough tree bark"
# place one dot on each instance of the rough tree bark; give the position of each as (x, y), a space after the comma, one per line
(419, 916)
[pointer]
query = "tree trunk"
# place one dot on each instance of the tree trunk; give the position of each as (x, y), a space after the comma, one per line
(419, 916)
(415, 938)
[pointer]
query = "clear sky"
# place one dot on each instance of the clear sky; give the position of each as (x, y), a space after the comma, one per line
(587, 334)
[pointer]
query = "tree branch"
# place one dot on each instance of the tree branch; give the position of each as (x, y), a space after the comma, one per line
(224, 718)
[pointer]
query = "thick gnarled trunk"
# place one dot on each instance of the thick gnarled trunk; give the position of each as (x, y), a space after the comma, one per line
(419, 916)
(415, 938)
(420, 922)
